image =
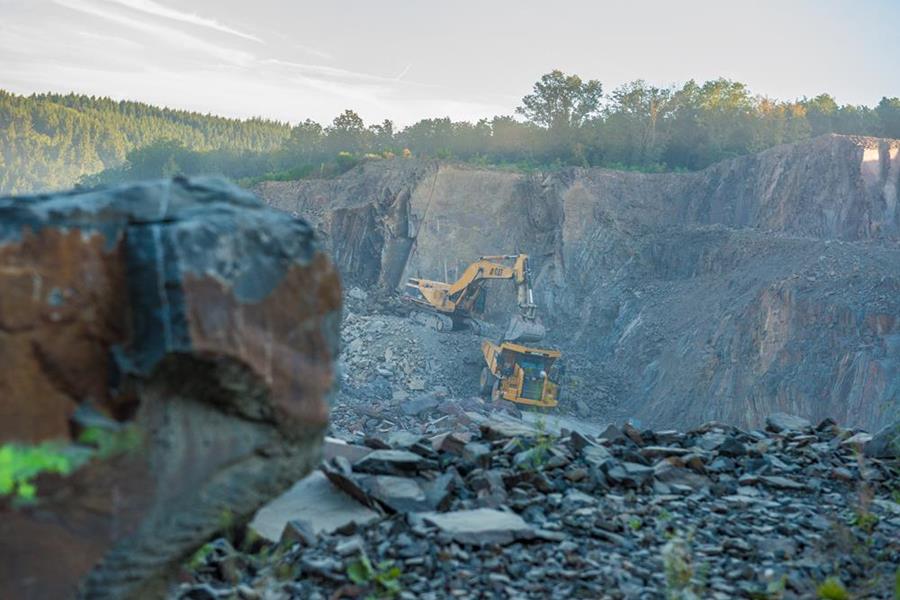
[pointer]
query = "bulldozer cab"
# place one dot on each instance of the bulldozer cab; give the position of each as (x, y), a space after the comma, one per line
(532, 364)
(520, 374)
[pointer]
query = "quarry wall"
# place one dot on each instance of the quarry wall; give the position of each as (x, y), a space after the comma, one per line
(761, 284)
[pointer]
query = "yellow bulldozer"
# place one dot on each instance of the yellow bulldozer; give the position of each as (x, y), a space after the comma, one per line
(513, 371)
(520, 374)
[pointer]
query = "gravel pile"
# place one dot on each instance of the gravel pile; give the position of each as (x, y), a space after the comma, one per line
(396, 374)
(516, 511)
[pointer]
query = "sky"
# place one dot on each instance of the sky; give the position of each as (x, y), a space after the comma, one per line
(406, 60)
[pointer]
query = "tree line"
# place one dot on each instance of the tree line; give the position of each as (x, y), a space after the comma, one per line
(55, 140)
(50, 141)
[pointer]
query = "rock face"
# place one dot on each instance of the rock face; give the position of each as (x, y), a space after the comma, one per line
(767, 283)
(191, 314)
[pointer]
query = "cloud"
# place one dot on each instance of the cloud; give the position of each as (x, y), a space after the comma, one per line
(113, 51)
(59, 43)
(155, 8)
(111, 40)
(403, 72)
(328, 72)
(172, 37)
(335, 73)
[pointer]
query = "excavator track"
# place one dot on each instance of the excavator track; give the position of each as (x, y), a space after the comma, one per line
(477, 327)
(433, 320)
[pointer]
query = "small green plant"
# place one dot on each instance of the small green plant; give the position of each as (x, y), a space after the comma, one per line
(111, 443)
(540, 451)
(678, 564)
(198, 559)
(543, 441)
(384, 577)
(774, 590)
(832, 589)
(19, 465)
(635, 523)
(865, 521)
(863, 518)
(230, 526)
(285, 571)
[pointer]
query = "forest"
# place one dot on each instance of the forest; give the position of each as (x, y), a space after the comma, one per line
(50, 141)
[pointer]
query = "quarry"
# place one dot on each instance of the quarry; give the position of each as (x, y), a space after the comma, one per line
(727, 420)
(767, 283)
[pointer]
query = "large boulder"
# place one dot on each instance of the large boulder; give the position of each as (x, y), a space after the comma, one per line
(886, 443)
(187, 313)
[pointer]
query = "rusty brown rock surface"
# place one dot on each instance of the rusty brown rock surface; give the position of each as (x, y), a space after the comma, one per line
(192, 314)
(61, 300)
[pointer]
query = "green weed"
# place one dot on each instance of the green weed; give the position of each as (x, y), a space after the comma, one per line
(832, 589)
(384, 577)
(678, 565)
(198, 559)
(20, 465)
(111, 443)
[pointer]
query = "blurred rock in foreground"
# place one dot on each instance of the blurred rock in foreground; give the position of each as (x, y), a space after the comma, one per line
(185, 313)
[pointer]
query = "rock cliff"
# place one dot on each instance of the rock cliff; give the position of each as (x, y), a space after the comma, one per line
(761, 284)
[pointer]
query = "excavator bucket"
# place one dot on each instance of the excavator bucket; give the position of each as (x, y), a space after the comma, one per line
(523, 331)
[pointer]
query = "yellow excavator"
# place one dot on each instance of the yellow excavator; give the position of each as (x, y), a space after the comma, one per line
(514, 371)
(458, 305)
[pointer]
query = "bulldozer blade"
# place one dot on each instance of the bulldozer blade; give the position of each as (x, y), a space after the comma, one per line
(521, 330)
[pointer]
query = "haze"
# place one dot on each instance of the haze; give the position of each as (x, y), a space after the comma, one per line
(408, 60)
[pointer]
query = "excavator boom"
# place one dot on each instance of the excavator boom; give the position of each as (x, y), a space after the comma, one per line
(451, 305)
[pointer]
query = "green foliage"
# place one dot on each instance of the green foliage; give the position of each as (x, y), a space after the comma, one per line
(543, 441)
(562, 102)
(53, 141)
(774, 590)
(110, 443)
(832, 589)
(285, 571)
(19, 465)
(385, 577)
(865, 521)
(198, 559)
(678, 565)
(635, 523)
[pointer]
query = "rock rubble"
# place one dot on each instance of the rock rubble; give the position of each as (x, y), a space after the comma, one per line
(515, 511)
